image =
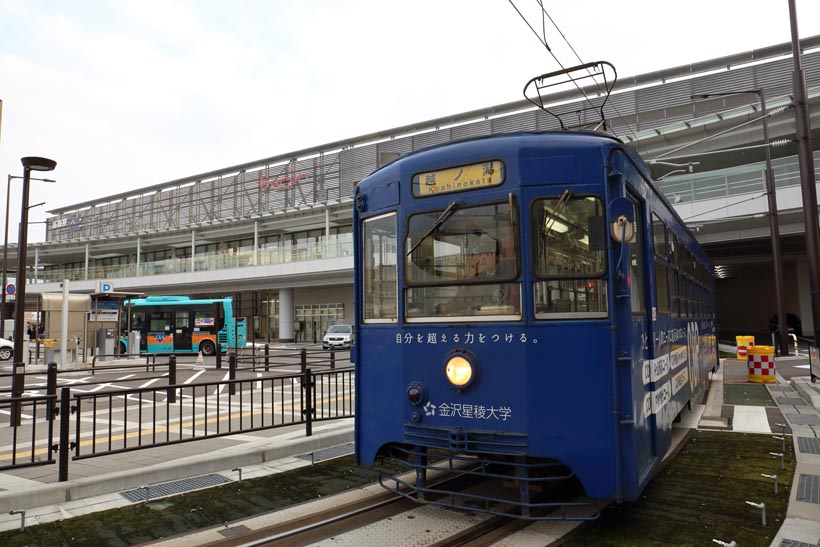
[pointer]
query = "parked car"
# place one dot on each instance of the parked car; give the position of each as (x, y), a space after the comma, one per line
(338, 336)
(6, 349)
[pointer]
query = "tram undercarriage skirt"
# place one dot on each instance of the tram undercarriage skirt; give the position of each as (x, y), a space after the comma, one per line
(539, 490)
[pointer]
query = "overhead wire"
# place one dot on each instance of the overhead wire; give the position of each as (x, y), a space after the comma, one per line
(612, 104)
(764, 194)
(549, 50)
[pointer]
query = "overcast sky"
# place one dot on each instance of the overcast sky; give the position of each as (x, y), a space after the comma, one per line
(127, 94)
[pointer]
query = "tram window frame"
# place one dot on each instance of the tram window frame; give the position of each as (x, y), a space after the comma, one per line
(477, 278)
(659, 245)
(580, 294)
(388, 303)
(661, 268)
(674, 291)
(637, 259)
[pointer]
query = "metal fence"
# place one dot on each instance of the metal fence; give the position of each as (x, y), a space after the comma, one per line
(103, 422)
(23, 447)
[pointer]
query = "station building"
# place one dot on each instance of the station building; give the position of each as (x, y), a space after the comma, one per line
(277, 232)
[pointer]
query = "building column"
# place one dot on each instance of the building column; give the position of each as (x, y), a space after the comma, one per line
(325, 250)
(37, 264)
(139, 253)
(87, 252)
(804, 294)
(255, 257)
(193, 250)
(286, 315)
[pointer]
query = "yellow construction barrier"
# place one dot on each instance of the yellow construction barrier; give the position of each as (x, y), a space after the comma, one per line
(743, 344)
(761, 365)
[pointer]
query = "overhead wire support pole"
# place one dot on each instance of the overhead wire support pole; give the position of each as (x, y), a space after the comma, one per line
(774, 230)
(807, 179)
(774, 227)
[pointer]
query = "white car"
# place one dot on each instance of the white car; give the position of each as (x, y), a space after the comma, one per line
(6, 349)
(338, 336)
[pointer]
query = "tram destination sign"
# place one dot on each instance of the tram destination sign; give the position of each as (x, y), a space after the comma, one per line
(459, 179)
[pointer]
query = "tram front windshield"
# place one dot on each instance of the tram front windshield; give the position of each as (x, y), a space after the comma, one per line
(463, 262)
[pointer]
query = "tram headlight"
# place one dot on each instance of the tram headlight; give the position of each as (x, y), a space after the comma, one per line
(459, 371)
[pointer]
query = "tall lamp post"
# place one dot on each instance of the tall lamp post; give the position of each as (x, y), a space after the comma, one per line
(774, 226)
(6, 254)
(30, 163)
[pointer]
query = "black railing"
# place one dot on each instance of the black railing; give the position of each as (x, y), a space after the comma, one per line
(108, 422)
(302, 358)
(24, 448)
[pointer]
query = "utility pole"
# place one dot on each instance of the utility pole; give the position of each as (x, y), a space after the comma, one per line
(807, 180)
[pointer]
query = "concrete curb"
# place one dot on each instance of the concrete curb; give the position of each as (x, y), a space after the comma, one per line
(808, 391)
(711, 418)
(801, 523)
(192, 466)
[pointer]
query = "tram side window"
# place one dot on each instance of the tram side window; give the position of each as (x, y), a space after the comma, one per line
(661, 281)
(380, 283)
(569, 258)
(675, 281)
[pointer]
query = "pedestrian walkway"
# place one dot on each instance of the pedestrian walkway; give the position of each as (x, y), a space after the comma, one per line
(101, 483)
(798, 402)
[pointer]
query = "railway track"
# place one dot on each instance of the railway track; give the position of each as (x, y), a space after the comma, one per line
(383, 517)
(372, 516)
(348, 526)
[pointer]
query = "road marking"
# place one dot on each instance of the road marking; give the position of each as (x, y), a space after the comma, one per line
(222, 386)
(8, 413)
(149, 382)
(191, 425)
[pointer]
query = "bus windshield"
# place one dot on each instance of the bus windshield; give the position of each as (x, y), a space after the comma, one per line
(465, 265)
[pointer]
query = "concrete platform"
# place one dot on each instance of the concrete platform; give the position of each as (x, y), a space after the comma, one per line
(99, 481)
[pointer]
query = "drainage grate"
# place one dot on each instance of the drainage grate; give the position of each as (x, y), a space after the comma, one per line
(793, 543)
(808, 488)
(803, 419)
(808, 445)
(328, 453)
(236, 531)
(174, 487)
(794, 401)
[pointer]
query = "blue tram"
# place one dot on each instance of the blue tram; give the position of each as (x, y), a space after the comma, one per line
(530, 302)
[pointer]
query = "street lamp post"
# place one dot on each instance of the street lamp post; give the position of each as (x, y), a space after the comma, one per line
(6, 254)
(30, 163)
(774, 226)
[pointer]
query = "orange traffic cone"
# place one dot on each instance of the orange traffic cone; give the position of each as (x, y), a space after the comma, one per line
(200, 360)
